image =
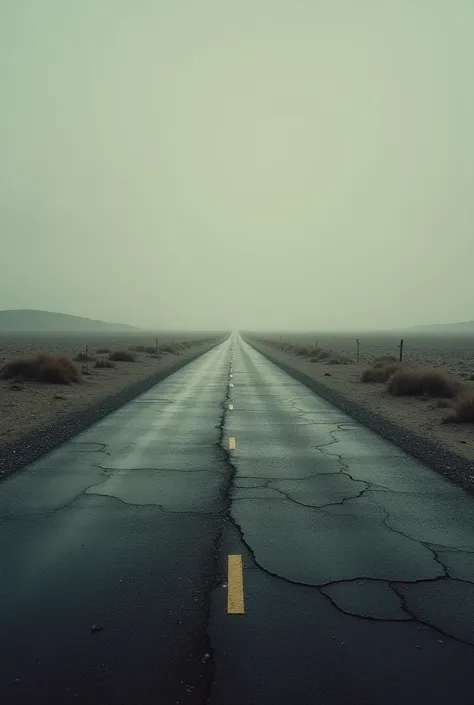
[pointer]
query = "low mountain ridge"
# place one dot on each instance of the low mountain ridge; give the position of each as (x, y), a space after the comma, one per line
(34, 321)
(460, 327)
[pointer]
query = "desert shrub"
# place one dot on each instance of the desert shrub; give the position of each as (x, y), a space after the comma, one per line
(463, 407)
(84, 357)
(313, 351)
(104, 362)
(405, 383)
(302, 350)
(122, 356)
(437, 383)
(150, 349)
(53, 369)
(384, 360)
(168, 348)
(380, 374)
(428, 383)
(102, 351)
(138, 348)
(338, 359)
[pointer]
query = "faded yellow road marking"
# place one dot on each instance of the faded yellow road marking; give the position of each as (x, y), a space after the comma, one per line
(231, 406)
(235, 582)
(231, 443)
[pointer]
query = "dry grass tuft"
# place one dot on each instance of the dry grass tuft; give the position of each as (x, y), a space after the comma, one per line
(463, 407)
(52, 369)
(84, 357)
(339, 360)
(428, 383)
(103, 362)
(122, 356)
(303, 350)
(168, 348)
(384, 361)
(379, 373)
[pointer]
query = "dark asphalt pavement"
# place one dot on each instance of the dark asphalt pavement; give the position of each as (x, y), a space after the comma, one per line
(358, 560)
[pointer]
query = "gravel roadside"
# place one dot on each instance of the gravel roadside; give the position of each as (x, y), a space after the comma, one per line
(26, 448)
(457, 468)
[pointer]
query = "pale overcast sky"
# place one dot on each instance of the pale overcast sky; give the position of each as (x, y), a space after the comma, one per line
(261, 163)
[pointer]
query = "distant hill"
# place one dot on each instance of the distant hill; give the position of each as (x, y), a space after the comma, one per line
(31, 321)
(464, 327)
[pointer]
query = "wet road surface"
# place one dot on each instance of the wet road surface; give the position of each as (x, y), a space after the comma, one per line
(358, 561)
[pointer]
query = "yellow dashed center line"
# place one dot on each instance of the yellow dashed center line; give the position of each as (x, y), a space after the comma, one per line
(235, 582)
(231, 443)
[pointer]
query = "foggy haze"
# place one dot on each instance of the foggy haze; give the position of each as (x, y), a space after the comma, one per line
(261, 164)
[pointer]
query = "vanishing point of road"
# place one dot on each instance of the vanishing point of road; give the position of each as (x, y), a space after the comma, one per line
(229, 538)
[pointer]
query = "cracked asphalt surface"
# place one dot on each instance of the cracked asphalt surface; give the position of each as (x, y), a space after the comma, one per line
(358, 560)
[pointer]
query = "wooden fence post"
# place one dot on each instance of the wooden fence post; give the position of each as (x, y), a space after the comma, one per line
(358, 345)
(401, 349)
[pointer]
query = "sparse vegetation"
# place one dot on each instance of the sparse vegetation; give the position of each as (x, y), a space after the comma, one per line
(302, 350)
(150, 349)
(312, 352)
(419, 382)
(122, 356)
(102, 351)
(463, 407)
(384, 361)
(103, 362)
(84, 357)
(168, 348)
(380, 374)
(52, 369)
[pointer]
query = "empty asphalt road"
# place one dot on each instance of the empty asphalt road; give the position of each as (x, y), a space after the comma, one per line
(357, 576)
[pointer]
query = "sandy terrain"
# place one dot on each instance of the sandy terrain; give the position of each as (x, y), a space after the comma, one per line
(422, 416)
(31, 405)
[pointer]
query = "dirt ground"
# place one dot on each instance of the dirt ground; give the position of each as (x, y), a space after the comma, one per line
(422, 416)
(455, 354)
(28, 405)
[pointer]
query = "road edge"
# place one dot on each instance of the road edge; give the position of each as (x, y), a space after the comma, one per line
(25, 450)
(456, 468)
